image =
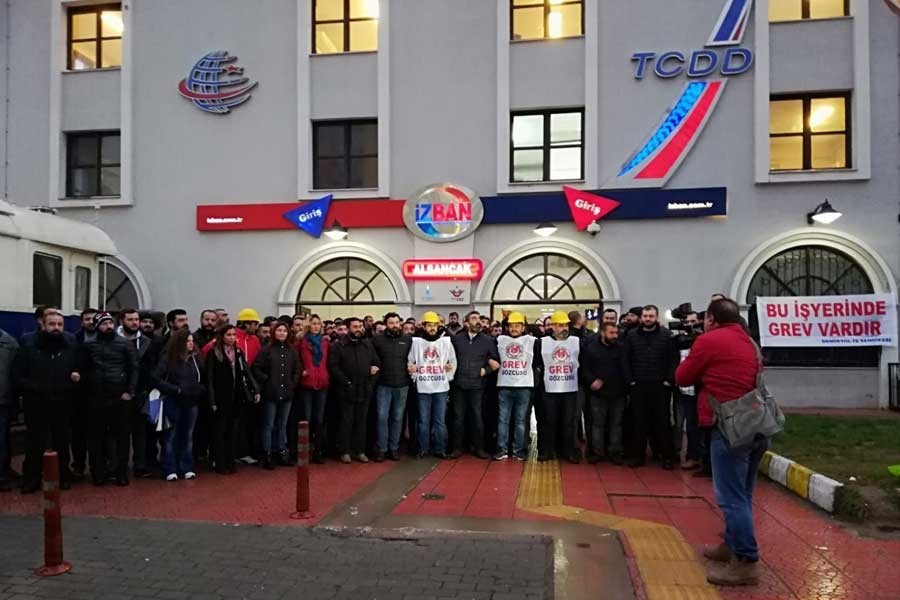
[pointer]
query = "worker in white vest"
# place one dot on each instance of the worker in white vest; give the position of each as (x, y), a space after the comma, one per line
(559, 355)
(432, 364)
(515, 382)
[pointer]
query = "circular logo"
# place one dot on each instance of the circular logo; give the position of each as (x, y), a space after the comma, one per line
(443, 212)
(215, 84)
(560, 355)
(514, 351)
(432, 355)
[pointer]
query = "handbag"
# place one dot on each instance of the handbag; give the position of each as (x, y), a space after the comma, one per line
(753, 415)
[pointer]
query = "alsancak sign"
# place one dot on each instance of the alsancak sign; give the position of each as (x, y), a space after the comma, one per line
(654, 163)
(443, 212)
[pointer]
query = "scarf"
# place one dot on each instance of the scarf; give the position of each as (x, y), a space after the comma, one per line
(315, 342)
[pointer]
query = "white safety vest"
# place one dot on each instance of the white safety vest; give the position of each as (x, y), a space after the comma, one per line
(560, 364)
(430, 360)
(516, 361)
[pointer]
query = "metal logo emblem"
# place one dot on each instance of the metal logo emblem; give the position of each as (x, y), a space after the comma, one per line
(215, 85)
(443, 212)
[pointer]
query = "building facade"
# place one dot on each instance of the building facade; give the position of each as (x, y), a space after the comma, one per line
(718, 125)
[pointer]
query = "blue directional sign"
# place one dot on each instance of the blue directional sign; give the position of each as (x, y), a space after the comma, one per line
(311, 216)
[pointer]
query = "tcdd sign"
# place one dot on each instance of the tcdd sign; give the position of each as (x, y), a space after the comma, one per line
(443, 212)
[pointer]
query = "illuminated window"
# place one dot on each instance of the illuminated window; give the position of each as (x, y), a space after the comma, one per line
(545, 19)
(809, 132)
(795, 10)
(345, 26)
(345, 154)
(547, 145)
(95, 37)
(93, 164)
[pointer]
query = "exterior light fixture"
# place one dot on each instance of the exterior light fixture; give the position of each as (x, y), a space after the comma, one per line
(545, 229)
(823, 213)
(336, 232)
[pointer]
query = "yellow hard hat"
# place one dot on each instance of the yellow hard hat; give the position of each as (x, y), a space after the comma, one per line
(248, 314)
(431, 317)
(559, 318)
(515, 317)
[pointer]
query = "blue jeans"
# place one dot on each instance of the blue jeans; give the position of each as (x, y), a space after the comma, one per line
(178, 451)
(734, 476)
(274, 429)
(512, 401)
(432, 425)
(391, 405)
(692, 429)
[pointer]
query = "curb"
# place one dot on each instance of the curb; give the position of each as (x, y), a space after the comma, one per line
(807, 484)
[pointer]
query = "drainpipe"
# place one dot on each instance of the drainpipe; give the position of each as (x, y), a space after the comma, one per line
(6, 104)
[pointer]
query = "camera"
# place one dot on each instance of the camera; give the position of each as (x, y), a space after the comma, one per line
(682, 310)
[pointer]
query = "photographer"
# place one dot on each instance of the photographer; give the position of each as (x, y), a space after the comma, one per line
(686, 330)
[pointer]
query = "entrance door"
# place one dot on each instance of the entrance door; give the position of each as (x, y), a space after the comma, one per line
(540, 284)
(347, 287)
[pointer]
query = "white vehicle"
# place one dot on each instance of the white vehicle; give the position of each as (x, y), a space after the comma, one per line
(47, 260)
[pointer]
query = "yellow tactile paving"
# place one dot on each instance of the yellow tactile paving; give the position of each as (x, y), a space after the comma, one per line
(666, 563)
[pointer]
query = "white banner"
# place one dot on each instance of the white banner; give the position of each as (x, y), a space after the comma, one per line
(822, 321)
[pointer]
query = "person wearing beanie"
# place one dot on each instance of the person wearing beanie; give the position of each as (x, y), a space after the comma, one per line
(112, 370)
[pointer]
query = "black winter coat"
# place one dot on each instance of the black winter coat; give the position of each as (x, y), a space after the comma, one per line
(602, 361)
(227, 388)
(472, 355)
(649, 356)
(42, 371)
(112, 366)
(349, 365)
(393, 352)
(185, 380)
(277, 370)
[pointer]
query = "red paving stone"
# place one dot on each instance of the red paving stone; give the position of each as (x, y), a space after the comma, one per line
(250, 496)
(806, 554)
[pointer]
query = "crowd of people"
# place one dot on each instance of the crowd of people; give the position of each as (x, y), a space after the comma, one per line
(129, 396)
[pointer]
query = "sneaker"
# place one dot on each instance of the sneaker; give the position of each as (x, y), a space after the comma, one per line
(394, 456)
(248, 460)
(501, 455)
(362, 458)
(421, 454)
(441, 455)
(456, 454)
(481, 454)
(721, 553)
(379, 457)
(190, 475)
(521, 456)
(735, 572)
(345, 458)
(143, 473)
(171, 477)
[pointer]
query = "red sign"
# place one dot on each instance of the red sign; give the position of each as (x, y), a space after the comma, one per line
(249, 217)
(442, 269)
(587, 208)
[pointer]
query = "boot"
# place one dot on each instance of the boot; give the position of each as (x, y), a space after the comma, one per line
(267, 462)
(738, 571)
(721, 553)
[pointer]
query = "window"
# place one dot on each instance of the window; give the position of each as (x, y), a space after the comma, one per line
(345, 26)
(117, 291)
(95, 37)
(46, 279)
(337, 285)
(546, 19)
(345, 154)
(93, 164)
(547, 146)
(795, 10)
(809, 132)
(82, 288)
(811, 271)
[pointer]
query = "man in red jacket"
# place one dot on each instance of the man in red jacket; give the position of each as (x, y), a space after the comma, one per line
(723, 363)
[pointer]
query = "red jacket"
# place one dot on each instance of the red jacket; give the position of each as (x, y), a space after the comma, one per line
(314, 378)
(249, 345)
(722, 362)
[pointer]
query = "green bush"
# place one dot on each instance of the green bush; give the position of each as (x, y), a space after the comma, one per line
(849, 504)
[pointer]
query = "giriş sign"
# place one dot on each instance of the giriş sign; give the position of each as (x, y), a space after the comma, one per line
(443, 212)
(654, 162)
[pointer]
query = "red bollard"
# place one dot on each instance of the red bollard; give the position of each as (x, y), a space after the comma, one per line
(53, 541)
(303, 511)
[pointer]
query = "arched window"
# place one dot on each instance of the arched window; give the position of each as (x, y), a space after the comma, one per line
(811, 271)
(541, 283)
(117, 290)
(343, 282)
